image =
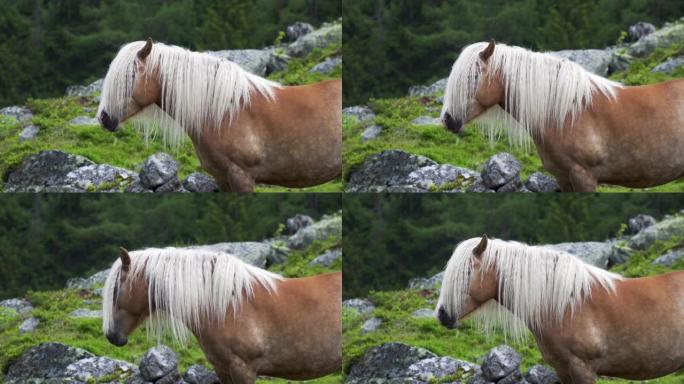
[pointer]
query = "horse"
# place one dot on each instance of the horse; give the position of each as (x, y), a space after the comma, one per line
(587, 129)
(586, 321)
(245, 129)
(248, 321)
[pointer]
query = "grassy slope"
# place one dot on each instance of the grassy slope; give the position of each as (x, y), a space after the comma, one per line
(473, 149)
(469, 342)
(127, 148)
(52, 308)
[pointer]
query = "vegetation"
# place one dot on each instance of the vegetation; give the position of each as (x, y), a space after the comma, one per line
(405, 224)
(391, 45)
(53, 307)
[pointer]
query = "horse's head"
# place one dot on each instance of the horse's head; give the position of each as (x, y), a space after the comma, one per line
(125, 304)
(467, 284)
(471, 88)
(130, 85)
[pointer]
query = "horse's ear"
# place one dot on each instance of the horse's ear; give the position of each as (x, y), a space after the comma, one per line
(481, 247)
(487, 53)
(125, 259)
(145, 51)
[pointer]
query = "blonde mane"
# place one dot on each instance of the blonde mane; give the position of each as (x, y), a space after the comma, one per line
(185, 286)
(198, 90)
(541, 90)
(537, 285)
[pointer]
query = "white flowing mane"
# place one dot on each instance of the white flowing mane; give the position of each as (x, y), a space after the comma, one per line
(537, 285)
(186, 285)
(541, 90)
(198, 90)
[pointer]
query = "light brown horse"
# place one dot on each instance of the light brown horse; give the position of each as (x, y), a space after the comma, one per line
(586, 321)
(587, 129)
(245, 129)
(248, 321)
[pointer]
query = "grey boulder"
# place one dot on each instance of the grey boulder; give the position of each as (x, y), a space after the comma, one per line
(327, 66)
(539, 182)
(371, 132)
(85, 90)
(259, 254)
(440, 175)
(539, 374)
(426, 283)
(671, 33)
(361, 112)
(669, 258)
(297, 222)
(18, 112)
(91, 369)
(664, 230)
(362, 306)
(323, 229)
(639, 222)
(28, 133)
(22, 306)
(44, 171)
(198, 374)
(255, 61)
(157, 170)
(386, 362)
(297, 30)
(326, 35)
(158, 362)
(29, 325)
(499, 170)
(371, 325)
(669, 65)
(423, 313)
(593, 252)
(500, 362)
(327, 258)
(86, 313)
(428, 90)
(426, 120)
(639, 30)
(99, 177)
(386, 169)
(84, 120)
(91, 282)
(44, 361)
(596, 61)
(200, 182)
(435, 368)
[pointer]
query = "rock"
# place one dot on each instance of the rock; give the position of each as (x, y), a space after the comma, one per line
(371, 325)
(639, 30)
(539, 374)
(619, 62)
(44, 361)
(540, 182)
(500, 362)
(29, 325)
(137, 187)
(428, 90)
(297, 222)
(158, 362)
(669, 258)
(320, 38)
(361, 112)
(328, 258)
(479, 187)
(198, 374)
(22, 306)
(259, 254)
(514, 377)
(255, 61)
(663, 230)
(386, 362)
(639, 222)
(671, 33)
(479, 378)
(385, 169)
(499, 170)
(592, 252)
(19, 113)
(93, 368)
(45, 170)
(514, 185)
(157, 170)
(200, 182)
(327, 66)
(80, 283)
(99, 177)
(28, 133)
(438, 175)
(173, 185)
(85, 90)
(432, 369)
(669, 65)
(362, 306)
(173, 377)
(84, 120)
(426, 283)
(318, 231)
(593, 60)
(371, 133)
(297, 30)
(423, 312)
(86, 313)
(426, 120)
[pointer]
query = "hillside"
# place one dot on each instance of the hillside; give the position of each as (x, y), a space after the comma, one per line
(72, 318)
(113, 160)
(411, 125)
(429, 353)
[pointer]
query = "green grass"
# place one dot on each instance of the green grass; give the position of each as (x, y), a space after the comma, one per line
(52, 308)
(469, 342)
(474, 148)
(127, 148)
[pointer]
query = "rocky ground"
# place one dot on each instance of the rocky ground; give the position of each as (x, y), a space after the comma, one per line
(56, 336)
(393, 337)
(57, 145)
(399, 145)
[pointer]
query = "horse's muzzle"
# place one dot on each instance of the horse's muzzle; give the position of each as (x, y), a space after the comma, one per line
(109, 123)
(453, 124)
(117, 339)
(445, 319)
